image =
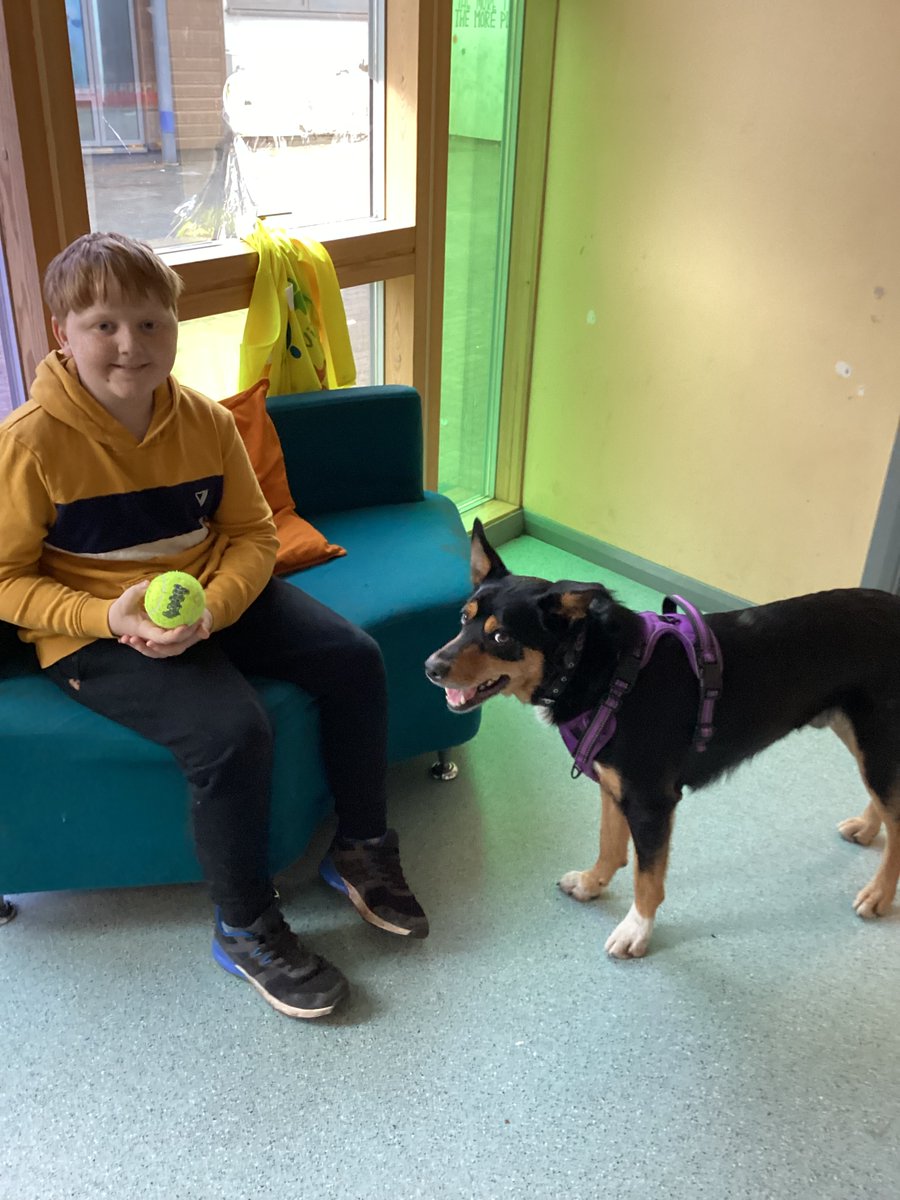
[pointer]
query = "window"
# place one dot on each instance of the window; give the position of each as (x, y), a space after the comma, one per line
(90, 123)
(44, 174)
(484, 74)
(194, 118)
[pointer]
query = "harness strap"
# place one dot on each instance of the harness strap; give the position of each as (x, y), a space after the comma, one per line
(707, 667)
(588, 733)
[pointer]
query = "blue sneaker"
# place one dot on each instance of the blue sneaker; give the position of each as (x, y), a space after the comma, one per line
(370, 875)
(269, 955)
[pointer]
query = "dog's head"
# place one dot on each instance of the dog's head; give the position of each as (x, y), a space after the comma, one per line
(515, 631)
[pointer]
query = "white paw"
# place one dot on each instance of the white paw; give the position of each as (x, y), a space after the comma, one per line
(580, 886)
(631, 937)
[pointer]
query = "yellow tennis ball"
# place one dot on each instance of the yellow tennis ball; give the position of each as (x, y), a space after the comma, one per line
(174, 598)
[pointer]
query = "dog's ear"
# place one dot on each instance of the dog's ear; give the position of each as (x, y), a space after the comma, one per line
(575, 601)
(485, 561)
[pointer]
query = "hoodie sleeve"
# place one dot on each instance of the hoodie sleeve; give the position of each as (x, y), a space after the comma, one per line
(27, 597)
(250, 541)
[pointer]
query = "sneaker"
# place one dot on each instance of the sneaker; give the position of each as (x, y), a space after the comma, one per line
(369, 873)
(269, 955)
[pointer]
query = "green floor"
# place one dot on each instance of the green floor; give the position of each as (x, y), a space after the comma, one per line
(753, 1055)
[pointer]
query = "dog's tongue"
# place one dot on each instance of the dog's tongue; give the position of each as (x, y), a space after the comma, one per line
(459, 696)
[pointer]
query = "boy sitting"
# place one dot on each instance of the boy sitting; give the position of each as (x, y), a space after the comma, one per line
(115, 473)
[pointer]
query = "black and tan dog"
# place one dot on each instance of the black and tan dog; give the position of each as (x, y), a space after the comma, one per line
(832, 658)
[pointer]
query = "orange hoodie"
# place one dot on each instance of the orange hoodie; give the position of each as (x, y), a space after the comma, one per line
(90, 510)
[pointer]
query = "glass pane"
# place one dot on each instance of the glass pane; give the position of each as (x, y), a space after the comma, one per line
(77, 44)
(12, 391)
(6, 401)
(208, 353)
(484, 65)
(209, 347)
(196, 117)
(117, 73)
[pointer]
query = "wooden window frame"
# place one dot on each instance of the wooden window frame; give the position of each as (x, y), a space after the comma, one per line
(43, 200)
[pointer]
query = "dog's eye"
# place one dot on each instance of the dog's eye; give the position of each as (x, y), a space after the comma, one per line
(502, 638)
(463, 617)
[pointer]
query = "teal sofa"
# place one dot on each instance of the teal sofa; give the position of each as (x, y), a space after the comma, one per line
(86, 803)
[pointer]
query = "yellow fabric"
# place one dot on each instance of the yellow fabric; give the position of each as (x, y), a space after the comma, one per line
(296, 332)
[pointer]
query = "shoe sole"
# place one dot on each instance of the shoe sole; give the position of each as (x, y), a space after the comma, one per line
(329, 873)
(288, 1010)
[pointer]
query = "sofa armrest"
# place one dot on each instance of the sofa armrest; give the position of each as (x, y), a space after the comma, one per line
(351, 448)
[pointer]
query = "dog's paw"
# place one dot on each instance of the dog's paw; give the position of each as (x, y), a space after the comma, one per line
(859, 830)
(631, 937)
(874, 900)
(582, 885)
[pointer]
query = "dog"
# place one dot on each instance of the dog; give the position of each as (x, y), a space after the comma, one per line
(827, 659)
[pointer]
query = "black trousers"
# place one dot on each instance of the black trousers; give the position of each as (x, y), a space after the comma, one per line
(201, 706)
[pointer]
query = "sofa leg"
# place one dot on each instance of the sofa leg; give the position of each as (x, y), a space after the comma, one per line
(444, 769)
(7, 910)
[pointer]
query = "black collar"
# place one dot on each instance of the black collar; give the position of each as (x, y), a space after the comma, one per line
(553, 682)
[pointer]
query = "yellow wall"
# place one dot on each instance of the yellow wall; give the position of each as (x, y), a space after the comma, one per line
(722, 228)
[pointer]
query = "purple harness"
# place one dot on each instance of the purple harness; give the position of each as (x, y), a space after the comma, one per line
(587, 734)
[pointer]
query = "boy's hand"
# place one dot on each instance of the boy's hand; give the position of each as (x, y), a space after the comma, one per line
(128, 621)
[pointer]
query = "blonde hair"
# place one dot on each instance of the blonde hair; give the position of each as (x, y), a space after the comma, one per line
(98, 265)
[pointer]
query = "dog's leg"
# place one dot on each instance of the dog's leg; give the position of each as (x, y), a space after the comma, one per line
(864, 828)
(877, 896)
(614, 834)
(878, 745)
(631, 937)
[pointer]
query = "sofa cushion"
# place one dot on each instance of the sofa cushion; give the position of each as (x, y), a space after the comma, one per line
(385, 543)
(351, 448)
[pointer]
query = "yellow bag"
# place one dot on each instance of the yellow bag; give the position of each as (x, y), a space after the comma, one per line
(296, 330)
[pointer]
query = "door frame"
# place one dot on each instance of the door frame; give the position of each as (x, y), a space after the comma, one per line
(882, 569)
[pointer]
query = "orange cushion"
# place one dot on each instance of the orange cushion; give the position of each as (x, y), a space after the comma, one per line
(300, 544)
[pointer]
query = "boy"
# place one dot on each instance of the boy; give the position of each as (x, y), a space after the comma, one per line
(115, 473)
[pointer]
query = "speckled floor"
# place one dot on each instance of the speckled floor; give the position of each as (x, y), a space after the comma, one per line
(755, 1053)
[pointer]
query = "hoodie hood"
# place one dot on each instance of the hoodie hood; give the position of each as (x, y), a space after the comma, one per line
(59, 392)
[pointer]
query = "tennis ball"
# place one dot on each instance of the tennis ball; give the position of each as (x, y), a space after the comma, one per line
(174, 598)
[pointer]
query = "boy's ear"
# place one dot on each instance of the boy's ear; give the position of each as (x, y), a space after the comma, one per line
(485, 562)
(575, 601)
(59, 332)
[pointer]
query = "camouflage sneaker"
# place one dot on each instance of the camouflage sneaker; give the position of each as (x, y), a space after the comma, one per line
(269, 955)
(369, 873)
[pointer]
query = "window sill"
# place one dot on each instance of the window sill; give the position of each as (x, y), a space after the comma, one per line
(504, 521)
(218, 276)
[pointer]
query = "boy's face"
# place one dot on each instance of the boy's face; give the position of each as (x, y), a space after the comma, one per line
(123, 348)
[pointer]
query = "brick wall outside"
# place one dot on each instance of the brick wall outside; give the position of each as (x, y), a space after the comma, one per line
(197, 51)
(197, 47)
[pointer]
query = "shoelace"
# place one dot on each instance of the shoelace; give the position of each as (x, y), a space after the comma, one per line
(386, 861)
(282, 948)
